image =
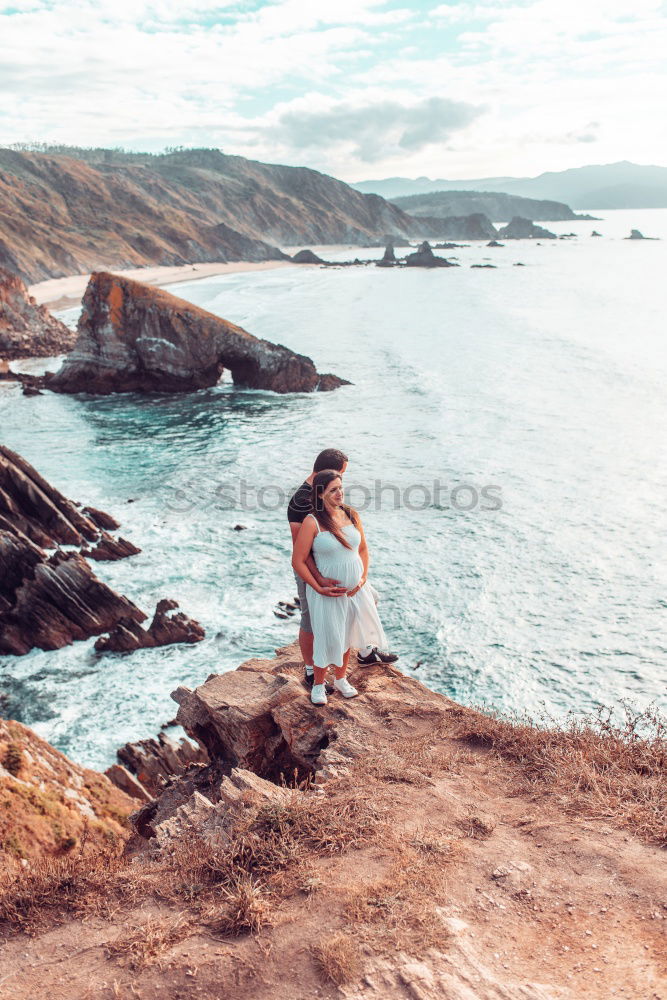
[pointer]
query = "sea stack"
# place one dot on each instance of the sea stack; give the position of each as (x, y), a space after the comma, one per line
(424, 257)
(136, 338)
(524, 229)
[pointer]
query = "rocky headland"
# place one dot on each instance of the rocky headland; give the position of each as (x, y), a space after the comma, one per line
(524, 229)
(49, 599)
(26, 329)
(493, 204)
(397, 845)
(136, 338)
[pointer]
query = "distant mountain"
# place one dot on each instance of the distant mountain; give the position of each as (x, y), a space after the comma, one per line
(612, 185)
(497, 206)
(75, 210)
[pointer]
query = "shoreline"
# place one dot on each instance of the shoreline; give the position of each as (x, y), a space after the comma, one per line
(67, 292)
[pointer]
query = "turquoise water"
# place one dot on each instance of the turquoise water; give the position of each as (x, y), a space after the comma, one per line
(545, 383)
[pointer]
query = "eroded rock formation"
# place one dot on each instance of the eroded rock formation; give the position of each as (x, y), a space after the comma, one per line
(50, 600)
(136, 338)
(524, 229)
(26, 329)
(307, 257)
(389, 257)
(424, 257)
(165, 629)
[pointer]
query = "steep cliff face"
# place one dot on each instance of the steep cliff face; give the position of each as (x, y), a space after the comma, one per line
(136, 338)
(62, 215)
(26, 329)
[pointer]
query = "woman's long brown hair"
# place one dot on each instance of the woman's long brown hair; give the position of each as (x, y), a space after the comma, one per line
(324, 519)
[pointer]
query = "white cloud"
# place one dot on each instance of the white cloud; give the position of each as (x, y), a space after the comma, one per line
(145, 73)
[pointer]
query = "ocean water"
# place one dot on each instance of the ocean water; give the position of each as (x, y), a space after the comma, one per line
(530, 577)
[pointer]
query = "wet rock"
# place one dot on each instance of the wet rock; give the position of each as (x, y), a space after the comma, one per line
(255, 720)
(26, 329)
(137, 338)
(483, 265)
(495, 243)
(524, 229)
(164, 630)
(50, 602)
(424, 257)
(389, 257)
(596, 233)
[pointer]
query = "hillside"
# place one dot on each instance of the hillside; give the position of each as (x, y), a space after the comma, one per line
(396, 846)
(497, 206)
(610, 185)
(67, 213)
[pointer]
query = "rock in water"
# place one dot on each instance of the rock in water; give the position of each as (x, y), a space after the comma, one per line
(389, 258)
(424, 257)
(164, 630)
(524, 229)
(136, 338)
(26, 329)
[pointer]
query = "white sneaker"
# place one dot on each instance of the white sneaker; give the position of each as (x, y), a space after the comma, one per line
(343, 685)
(318, 695)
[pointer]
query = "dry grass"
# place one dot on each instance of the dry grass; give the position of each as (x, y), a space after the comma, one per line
(595, 765)
(397, 911)
(57, 887)
(244, 909)
(338, 959)
(145, 944)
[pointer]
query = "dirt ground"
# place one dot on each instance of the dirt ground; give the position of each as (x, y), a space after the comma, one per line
(471, 885)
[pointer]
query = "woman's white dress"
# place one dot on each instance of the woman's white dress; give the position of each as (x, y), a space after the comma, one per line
(341, 622)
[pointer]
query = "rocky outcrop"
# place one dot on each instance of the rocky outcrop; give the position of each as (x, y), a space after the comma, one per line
(50, 600)
(165, 629)
(466, 227)
(388, 258)
(30, 507)
(136, 338)
(307, 257)
(48, 800)
(424, 257)
(524, 229)
(256, 720)
(152, 763)
(635, 234)
(26, 329)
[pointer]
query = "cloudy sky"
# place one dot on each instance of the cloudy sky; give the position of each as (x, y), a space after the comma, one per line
(357, 88)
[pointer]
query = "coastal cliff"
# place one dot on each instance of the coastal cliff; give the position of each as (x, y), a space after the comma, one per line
(90, 210)
(26, 329)
(396, 845)
(136, 338)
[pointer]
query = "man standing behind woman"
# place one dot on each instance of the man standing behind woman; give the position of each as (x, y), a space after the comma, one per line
(330, 560)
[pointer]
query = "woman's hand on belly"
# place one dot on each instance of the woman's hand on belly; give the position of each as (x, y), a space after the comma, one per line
(355, 590)
(334, 589)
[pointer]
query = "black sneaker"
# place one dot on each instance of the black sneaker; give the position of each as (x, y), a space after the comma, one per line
(377, 656)
(309, 680)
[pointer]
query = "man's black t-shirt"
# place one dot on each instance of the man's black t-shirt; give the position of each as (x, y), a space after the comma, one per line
(300, 504)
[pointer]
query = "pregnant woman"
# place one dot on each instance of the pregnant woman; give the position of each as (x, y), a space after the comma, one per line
(334, 533)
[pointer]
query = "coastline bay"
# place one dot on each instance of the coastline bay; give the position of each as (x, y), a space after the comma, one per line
(534, 380)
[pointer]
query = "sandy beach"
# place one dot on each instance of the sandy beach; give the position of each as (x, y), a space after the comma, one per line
(63, 293)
